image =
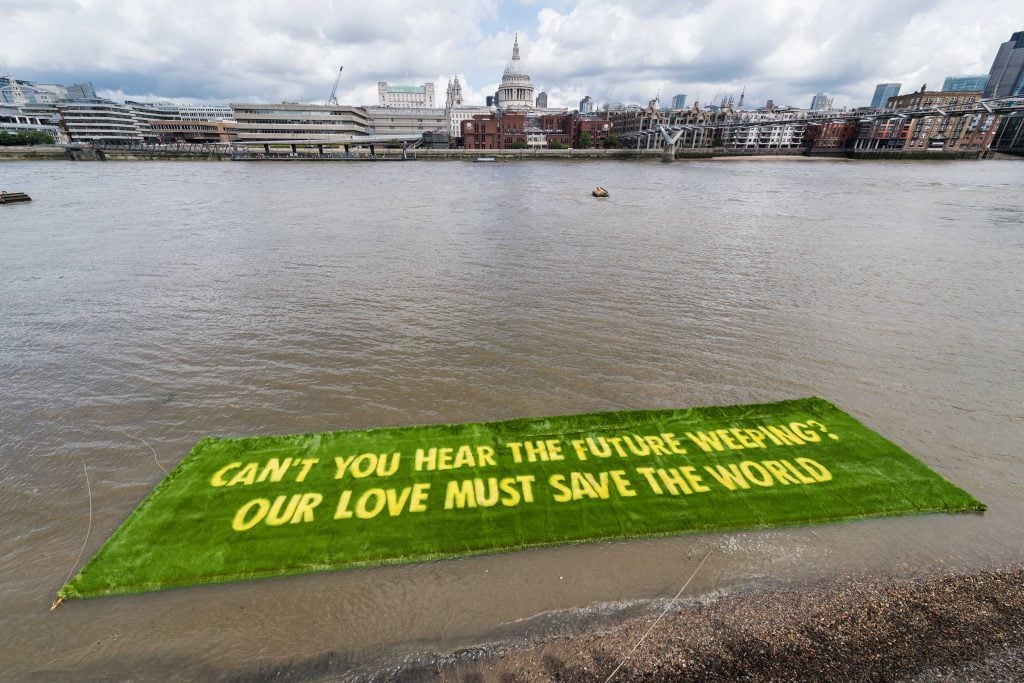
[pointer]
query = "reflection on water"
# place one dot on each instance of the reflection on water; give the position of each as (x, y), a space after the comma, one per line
(172, 301)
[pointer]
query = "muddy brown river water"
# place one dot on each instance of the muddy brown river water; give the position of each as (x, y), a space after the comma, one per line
(146, 305)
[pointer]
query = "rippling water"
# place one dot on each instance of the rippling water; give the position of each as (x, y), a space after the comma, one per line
(145, 305)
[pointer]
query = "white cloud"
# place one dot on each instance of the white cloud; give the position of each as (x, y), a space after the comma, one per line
(611, 49)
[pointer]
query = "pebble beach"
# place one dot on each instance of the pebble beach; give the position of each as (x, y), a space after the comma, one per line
(956, 627)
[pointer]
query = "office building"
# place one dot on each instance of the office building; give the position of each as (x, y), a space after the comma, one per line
(975, 83)
(406, 120)
(542, 100)
(21, 92)
(193, 131)
(586, 105)
(405, 95)
(99, 120)
(1007, 74)
(269, 123)
(679, 101)
(883, 91)
(14, 120)
(821, 101)
(206, 112)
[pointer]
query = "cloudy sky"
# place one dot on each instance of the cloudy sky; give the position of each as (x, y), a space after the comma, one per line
(613, 50)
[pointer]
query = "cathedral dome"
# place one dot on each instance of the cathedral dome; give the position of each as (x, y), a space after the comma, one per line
(516, 90)
(514, 69)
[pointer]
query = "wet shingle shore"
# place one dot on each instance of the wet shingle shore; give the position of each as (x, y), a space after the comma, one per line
(959, 627)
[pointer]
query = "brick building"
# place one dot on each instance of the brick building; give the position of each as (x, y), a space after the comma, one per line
(480, 132)
(597, 129)
(925, 99)
(517, 129)
(831, 134)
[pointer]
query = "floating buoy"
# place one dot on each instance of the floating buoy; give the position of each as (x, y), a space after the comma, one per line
(600, 192)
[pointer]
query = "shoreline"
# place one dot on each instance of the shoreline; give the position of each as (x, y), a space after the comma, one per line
(955, 626)
(58, 153)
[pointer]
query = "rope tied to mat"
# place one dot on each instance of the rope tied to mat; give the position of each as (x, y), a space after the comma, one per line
(88, 487)
(656, 621)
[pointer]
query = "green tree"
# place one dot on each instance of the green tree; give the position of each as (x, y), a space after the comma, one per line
(519, 144)
(556, 145)
(25, 137)
(612, 140)
(586, 140)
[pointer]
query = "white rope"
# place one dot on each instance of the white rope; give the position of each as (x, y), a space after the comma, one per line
(151, 449)
(88, 487)
(660, 616)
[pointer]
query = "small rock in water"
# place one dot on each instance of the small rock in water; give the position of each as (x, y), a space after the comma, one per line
(600, 192)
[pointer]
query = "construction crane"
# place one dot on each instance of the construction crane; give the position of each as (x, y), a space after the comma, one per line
(333, 99)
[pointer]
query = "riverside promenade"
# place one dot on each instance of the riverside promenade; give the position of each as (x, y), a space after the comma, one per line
(220, 153)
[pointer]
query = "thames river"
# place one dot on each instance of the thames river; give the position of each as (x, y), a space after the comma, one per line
(144, 306)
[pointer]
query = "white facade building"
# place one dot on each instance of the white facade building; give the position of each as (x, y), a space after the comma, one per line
(405, 95)
(14, 120)
(206, 112)
(99, 120)
(457, 115)
(405, 120)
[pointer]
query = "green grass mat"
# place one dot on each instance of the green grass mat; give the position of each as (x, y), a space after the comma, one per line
(245, 508)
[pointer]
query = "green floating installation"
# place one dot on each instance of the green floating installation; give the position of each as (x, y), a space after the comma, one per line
(248, 508)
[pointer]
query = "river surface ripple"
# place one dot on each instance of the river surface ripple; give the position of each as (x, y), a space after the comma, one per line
(151, 304)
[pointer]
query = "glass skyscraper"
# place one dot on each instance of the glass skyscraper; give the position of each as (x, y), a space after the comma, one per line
(883, 91)
(1007, 75)
(965, 83)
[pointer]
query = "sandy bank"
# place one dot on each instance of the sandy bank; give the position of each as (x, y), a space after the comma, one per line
(956, 627)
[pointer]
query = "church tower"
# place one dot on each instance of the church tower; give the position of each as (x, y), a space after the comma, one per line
(454, 98)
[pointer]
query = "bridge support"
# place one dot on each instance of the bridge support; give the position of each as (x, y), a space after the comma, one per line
(668, 154)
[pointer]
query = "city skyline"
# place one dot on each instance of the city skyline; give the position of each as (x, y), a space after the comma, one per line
(612, 51)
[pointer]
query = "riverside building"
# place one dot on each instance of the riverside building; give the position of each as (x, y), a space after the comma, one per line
(181, 130)
(406, 120)
(205, 112)
(456, 115)
(98, 120)
(291, 123)
(926, 99)
(14, 120)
